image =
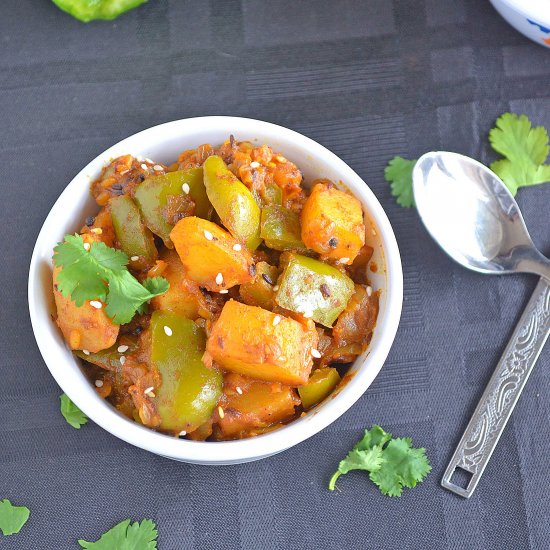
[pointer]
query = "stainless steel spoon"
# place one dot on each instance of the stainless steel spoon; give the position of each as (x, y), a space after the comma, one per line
(471, 214)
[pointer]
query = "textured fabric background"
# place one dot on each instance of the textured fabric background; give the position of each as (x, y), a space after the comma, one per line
(369, 79)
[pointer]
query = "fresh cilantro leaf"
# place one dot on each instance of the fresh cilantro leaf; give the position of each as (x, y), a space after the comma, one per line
(142, 309)
(12, 518)
(392, 463)
(88, 10)
(516, 139)
(525, 150)
(398, 173)
(376, 436)
(126, 536)
(102, 274)
(402, 466)
(72, 414)
(520, 174)
(368, 459)
(366, 455)
(509, 173)
(82, 275)
(156, 285)
(126, 295)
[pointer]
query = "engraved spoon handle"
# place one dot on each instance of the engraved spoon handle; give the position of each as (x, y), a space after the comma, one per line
(502, 393)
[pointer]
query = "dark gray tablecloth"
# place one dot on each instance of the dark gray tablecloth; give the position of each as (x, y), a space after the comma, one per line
(368, 79)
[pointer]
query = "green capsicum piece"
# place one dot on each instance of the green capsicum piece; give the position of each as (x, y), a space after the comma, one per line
(272, 194)
(281, 230)
(259, 292)
(109, 359)
(189, 391)
(233, 202)
(320, 385)
(269, 195)
(152, 196)
(134, 238)
(314, 289)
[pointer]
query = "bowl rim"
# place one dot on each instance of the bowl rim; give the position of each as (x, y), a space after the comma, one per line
(540, 13)
(227, 452)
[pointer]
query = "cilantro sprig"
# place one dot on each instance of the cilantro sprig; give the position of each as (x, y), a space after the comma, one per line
(525, 150)
(12, 518)
(71, 413)
(398, 173)
(100, 273)
(392, 463)
(126, 536)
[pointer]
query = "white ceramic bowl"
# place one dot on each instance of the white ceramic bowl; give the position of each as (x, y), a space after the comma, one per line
(163, 143)
(529, 17)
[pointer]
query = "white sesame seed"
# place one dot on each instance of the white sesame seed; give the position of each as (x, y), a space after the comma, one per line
(224, 291)
(149, 389)
(144, 166)
(208, 235)
(96, 304)
(122, 360)
(183, 433)
(276, 320)
(124, 172)
(220, 412)
(239, 390)
(308, 314)
(343, 260)
(316, 353)
(85, 352)
(122, 349)
(254, 164)
(167, 331)
(97, 230)
(276, 288)
(237, 247)
(369, 291)
(158, 167)
(185, 188)
(280, 158)
(219, 279)
(98, 383)
(87, 246)
(282, 358)
(373, 231)
(149, 160)
(134, 258)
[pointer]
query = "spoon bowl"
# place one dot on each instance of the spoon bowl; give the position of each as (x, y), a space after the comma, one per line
(471, 214)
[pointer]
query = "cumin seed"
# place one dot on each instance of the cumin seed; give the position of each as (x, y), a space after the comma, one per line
(267, 279)
(325, 290)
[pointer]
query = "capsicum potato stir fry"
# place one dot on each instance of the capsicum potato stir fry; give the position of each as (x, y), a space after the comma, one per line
(268, 300)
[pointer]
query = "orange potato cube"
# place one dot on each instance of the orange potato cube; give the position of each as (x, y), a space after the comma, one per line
(84, 327)
(210, 255)
(332, 223)
(258, 343)
(250, 407)
(101, 230)
(184, 296)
